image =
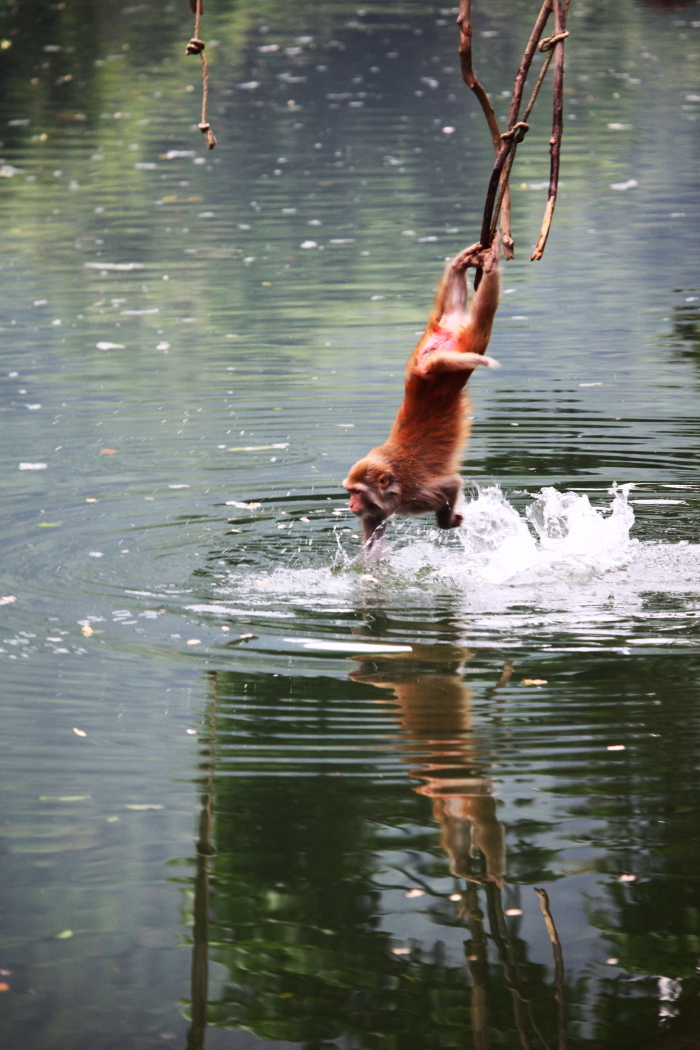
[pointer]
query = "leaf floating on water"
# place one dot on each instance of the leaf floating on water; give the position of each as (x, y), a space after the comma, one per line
(91, 499)
(86, 630)
(49, 524)
(304, 519)
(64, 935)
(109, 346)
(415, 893)
(79, 732)
(194, 641)
(8, 599)
(4, 986)
(33, 466)
(533, 681)
(247, 637)
(255, 506)
(235, 530)
(140, 806)
(108, 451)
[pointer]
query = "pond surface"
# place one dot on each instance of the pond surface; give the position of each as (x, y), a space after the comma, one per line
(256, 794)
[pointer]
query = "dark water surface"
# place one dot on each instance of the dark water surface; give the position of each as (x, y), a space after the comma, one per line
(248, 783)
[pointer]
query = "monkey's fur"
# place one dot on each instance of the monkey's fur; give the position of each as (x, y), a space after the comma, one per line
(416, 469)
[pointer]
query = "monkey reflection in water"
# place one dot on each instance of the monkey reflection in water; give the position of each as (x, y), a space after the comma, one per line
(435, 711)
(417, 468)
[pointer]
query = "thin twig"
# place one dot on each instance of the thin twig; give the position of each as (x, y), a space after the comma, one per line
(196, 47)
(526, 62)
(557, 41)
(471, 80)
(511, 157)
(558, 968)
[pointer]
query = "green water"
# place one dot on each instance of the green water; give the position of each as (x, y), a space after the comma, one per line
(304, 808)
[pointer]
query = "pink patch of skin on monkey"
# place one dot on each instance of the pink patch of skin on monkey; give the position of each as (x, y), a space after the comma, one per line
(441, 339)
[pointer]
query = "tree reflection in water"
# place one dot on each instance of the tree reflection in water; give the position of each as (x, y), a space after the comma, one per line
(297, 909)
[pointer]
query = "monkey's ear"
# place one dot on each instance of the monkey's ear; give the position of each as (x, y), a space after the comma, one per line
(384, 480)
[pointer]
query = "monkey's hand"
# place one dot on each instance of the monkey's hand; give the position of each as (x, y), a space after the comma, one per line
(476, 255)
(466, 258)
(489, 258)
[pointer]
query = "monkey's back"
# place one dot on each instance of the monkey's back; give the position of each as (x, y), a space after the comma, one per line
(431, 427)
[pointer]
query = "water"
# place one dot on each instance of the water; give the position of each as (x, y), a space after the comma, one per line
(256, 792)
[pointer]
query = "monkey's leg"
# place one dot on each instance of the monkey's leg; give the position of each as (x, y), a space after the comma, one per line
(450, 489)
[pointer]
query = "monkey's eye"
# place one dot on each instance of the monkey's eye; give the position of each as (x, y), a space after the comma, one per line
(384, 480)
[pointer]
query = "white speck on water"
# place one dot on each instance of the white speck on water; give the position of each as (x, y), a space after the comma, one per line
(109, 346)
(95, 554)
(33, 466)
(178, 486)
(628, 185)
(347, 647)
(308, 244)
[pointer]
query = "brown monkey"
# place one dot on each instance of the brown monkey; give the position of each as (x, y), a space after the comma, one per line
(416, 470)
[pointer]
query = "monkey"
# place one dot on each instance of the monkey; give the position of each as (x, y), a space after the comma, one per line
(416, 469)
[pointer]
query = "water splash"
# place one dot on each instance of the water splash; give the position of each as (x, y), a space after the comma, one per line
(561, 537)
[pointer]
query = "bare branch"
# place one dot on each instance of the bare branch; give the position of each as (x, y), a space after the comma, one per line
(557, 42)
(470, 79)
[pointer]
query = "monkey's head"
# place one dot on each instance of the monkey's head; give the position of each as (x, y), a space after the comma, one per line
(374, 491)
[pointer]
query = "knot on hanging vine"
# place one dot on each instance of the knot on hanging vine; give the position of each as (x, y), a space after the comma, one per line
(195, 46)
(517, 133)
(208, 134)
(548, 44)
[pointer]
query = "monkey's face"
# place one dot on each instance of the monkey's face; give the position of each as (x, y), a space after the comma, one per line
(374, 491)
